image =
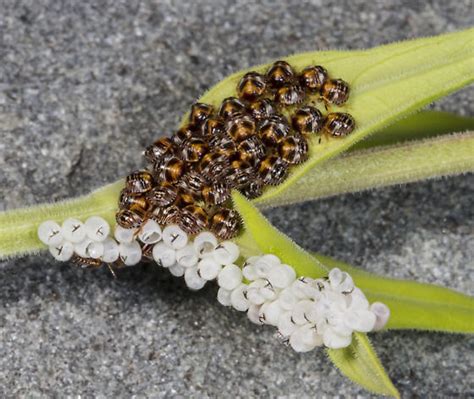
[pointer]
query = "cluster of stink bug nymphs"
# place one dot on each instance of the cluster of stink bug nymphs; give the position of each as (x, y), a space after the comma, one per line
(248, 142)
(178, 212)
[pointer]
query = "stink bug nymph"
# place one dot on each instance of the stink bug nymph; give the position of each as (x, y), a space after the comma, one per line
(160, 147)
(215, 194)
(241, 127)
(192, 150)
(335, 91)
(192, 182)
(171, 170)
(251, 150)
(132, 201)
(225, 223)
(240, 173)
(187, 132)
(289, 94)
(279, 74)
(273, 170)
(214, 165)
(163, 195)
(130, 219)
(273, 129)
(261, 109)
(293, 149)
(307, 120)
(230, 107)
(86, 263)
(251, 86)
(193, 219)
(139, 182)
(213, 126)
(165, 215)
(339, 124)
(199, 113)
(313, 77)
(253, 190)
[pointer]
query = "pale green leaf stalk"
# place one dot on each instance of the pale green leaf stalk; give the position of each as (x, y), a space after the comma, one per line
(421, 125)
(259, 236)
(360, 364)
(381, 166)
(359, 361)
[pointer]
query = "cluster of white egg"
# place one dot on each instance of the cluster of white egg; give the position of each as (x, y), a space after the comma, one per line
(307, 312)
(87, 240)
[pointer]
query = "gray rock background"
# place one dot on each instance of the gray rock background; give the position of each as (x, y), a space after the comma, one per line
(84, 86)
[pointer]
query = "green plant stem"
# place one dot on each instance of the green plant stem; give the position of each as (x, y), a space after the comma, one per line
(360, 364)
(380, 166)
(421, 125)
(18, 228)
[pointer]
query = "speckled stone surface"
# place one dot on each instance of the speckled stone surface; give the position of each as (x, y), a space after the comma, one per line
(84, 85)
